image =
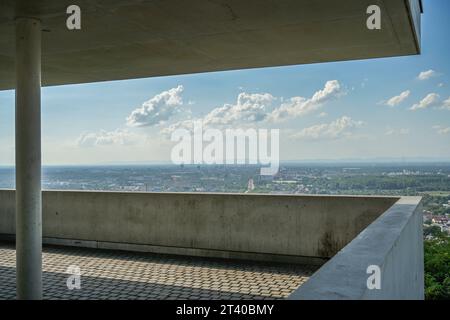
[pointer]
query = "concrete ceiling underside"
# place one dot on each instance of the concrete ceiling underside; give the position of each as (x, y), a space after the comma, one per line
(126, 39)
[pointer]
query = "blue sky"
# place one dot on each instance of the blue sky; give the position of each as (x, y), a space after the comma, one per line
(356, 119)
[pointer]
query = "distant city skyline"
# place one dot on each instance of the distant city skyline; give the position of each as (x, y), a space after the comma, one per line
(391, 108)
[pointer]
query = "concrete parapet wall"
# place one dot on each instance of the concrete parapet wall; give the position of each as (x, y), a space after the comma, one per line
(248, 226)
(393, 242)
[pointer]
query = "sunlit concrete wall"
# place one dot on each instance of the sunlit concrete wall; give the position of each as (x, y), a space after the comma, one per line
(262, 227)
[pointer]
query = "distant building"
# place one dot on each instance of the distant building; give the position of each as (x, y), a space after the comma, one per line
(440, 220)
(251, 185)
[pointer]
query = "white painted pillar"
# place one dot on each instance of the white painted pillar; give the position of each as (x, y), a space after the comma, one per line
(28, 159)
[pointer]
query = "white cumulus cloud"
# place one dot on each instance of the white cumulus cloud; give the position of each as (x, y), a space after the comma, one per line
(337, 129)
(429, 101)
(158, 109)
(299, 106)
(425, 75)
(395, 101)
(248, 108)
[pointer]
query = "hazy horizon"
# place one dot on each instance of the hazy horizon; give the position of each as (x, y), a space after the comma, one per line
(311, 162)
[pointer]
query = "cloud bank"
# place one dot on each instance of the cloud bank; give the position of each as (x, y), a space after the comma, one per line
(339, 128)
(158, 109)
(251, 108)
(104, 138)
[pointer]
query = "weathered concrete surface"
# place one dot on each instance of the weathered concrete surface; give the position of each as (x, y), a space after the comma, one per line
(394, 243)
(249, 226)
(123, 39)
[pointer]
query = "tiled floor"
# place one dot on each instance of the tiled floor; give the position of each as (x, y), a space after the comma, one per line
(126, 275)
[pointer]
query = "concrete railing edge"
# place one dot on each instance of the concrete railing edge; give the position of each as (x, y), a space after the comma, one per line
(345, 276)
(306, 228)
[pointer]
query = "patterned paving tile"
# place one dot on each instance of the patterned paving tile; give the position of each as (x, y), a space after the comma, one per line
(109, 274)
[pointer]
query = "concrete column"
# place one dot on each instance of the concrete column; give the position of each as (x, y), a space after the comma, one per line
(28, 159)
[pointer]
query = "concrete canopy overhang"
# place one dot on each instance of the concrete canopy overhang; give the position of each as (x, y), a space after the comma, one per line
(125, 39)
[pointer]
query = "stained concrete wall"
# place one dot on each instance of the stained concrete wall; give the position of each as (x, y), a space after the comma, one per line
(393, 242)
(262, 227)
